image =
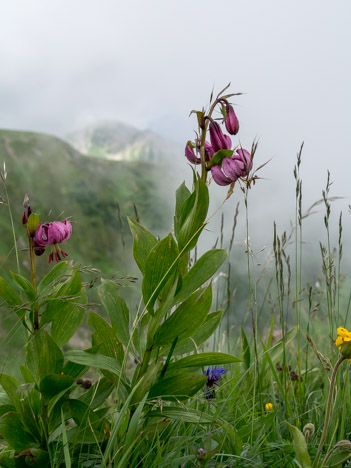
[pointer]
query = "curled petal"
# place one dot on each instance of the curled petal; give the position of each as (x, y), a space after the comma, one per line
(219, 177)
(189, 153)
(245, 156)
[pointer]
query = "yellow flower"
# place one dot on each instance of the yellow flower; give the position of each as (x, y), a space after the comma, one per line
(268, 406)
(343, 336)
(342, 340)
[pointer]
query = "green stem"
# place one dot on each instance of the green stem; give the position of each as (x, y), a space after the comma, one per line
(12, 227)
(327, 411)
(34, 283)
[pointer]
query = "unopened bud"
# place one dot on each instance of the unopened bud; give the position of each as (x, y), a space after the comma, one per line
(27, 212)
(308, 430)
(231, 120)
(201, 454)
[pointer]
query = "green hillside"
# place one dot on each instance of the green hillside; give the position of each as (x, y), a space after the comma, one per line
(61, 183)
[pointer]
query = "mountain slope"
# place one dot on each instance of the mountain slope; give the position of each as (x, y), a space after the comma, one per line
(119, 142)
(61, 181)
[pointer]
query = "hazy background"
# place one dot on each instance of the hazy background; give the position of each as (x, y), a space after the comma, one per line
(66, 64)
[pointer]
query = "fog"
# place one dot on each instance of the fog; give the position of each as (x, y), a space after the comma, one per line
(149, 63)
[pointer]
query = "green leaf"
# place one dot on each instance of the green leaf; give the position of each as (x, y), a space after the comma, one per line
(187, 318)
(27, 375)
(105, 337)
(133, 427)
(9, 295)
(182, 414)
(5, 409)
(53, 384)
(9, 384)
(12, 430)
(145, 383)
(73, 369)
(300, 447)
(180, 386)
(98, 393)
(218, 157)
(203, 359)
(28, 406)
(43, 356)
(86, 420)
(202, 271)
(161, 264)
(182, 194)
(25, 285)
(143, 243)
(193, 215)
(117, 310)
(72, 287)
(67, 319)
(202, 334)
(56, 275)
(338, 458)
(245, 348)
(98, 361)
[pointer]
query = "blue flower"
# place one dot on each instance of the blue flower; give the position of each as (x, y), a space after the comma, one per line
(213, 374)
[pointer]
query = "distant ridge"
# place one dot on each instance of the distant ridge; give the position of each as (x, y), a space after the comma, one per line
(117, 141)
(62, 181)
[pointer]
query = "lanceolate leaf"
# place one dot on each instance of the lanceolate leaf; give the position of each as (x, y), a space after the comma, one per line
(180, 386)
(117, 310)
(143, 242)
(193, 215)
(187, 318)
(182, 193)
(58, 273)
(12, 430)
(53, 384)
(65, 322)
(202, 334)
(43, 356)
(202, 271)
(105, 337)
(204, 359)
(161, 264)
(182, 414)
(9, 295)
(300, 447)
(98, 361)
(25, 285)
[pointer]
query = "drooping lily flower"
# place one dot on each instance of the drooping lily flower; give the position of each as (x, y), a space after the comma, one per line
(218, 139)
(190, 153)
(238, 165)
(52, 234)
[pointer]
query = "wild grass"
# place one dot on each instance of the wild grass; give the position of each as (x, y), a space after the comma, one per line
(283, 330)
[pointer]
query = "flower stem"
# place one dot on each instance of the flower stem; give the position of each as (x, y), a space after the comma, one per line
(34, 284)
(327, 411)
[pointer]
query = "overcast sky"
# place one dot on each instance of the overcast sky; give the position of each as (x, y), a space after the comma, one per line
(67, 63)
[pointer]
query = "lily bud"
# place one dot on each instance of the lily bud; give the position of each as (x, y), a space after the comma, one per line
(218, 139)
(231, 120)
(190, 154)
(26, 214)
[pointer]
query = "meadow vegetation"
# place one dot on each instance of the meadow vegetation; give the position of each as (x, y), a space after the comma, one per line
(181, 379)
